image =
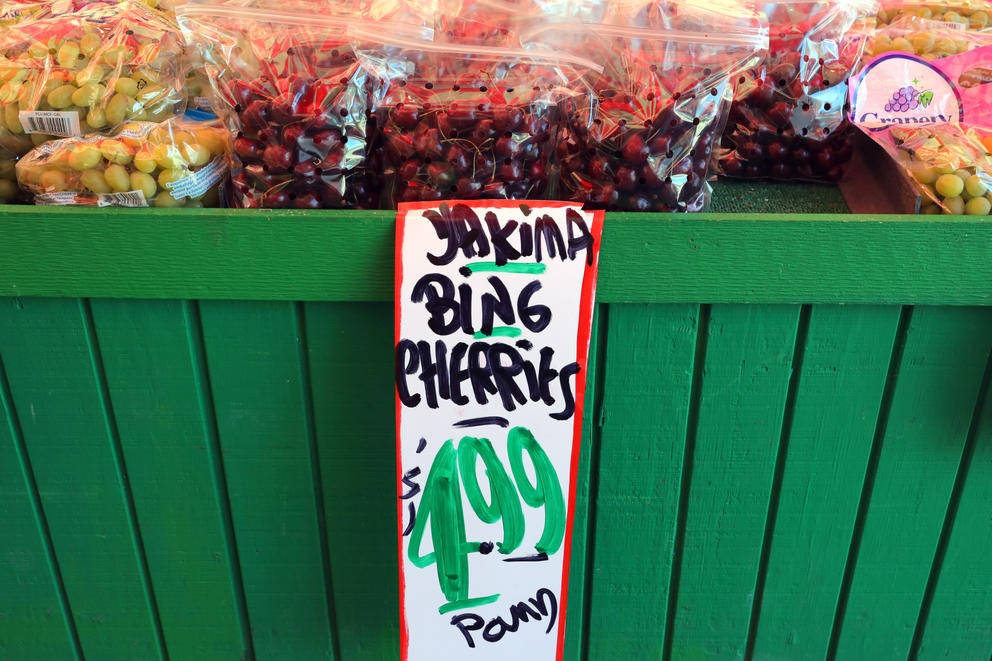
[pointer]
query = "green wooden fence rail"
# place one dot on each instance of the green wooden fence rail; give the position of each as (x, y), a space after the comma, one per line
(788, 453)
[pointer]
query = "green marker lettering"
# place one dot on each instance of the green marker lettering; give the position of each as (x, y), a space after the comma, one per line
(505, 504)
(546, 492)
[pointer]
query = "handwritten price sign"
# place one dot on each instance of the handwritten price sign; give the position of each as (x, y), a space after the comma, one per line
(493, 314)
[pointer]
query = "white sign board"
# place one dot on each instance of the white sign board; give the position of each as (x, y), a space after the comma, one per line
(493, 314)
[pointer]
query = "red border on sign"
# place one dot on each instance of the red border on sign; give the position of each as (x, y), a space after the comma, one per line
(584, 331)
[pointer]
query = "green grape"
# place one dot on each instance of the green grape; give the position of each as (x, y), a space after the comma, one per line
(954, 205)
(150, 95)
(116, 151)
(923, 173)
(52, 180)
(68, 55)
(164, 199)
(117, 178)
(902, 44)
(978, 20)
(922, 41)
(126, 86)
(145, 183)
(977, 206)
(213, 140)
(90, 43)
(88, 95)
(194, 204)
(932, 210)
(93, 180)
(974, 186)
(118, 108)
(96, 118)
(90, 75)
(7, 169)
(963, 173)
(8, 190)
(168, 157)
(10, 91)
(84, 156)
(145, 161)
(61, 96)
(38, 139)
(166, 177)
(949, 185)
(196, 155)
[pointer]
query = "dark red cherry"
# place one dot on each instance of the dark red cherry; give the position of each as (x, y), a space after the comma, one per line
(428, 144)
(660, 144)
(483, 131)
(442, 175)
(780, 171)
(409, 170)
(780, 114)
(462, 114)
(270, 135)
(466, 187)
(247, 148)
(754, 170)
(606, 195)
(282, 109)
(256, 115)
(650, 177)
(638, 203)
(307, 201)
(634, 150)
(277, 157)
(305, 172)
(599, 168)
(409, 194)
(732, 166)
(405, 116)
(535, 171)
(276, 200)
(626, 179)
(762, 95)
(777, 151)
(825, 159)
(510, 172)
(458, 158)
(508, 118)
(751, 150)
(291, 136)
(243, 93)
(800, 155)
(507, 147)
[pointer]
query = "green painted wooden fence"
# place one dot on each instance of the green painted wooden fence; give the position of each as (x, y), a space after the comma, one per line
(788, 453)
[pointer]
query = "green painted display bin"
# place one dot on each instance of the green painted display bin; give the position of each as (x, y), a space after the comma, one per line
(788, 454)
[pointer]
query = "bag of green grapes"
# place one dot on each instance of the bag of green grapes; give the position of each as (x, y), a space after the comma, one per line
(175, 163)
(968, 14)
(90, 70)
(933, 118)
(931, 40)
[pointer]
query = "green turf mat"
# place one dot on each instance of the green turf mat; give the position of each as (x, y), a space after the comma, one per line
(731, 196)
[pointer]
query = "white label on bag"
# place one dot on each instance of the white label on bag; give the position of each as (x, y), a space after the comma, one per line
(202, 103)
(61, 198)
(199, 182)
(134, 198)
(52, 122)
(54, 146)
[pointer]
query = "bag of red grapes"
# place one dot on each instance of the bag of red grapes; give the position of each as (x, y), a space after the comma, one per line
(788, 119)
(642, 140)
(933, 118)
(289, 87)
(467, 121)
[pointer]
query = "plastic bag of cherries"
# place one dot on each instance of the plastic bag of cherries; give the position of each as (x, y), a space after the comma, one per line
(467, 121)
(642, 140)
(289, 87)
(787, 120)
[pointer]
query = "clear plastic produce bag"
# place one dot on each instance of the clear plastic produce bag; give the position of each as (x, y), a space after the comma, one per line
(788, 118)
(171, 164)
(288, 85)
(467, 121)
(90, 70)
(933, 118)
(931, 40)
(643, 138)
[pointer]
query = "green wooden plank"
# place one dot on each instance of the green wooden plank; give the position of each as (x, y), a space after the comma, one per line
(253, 359)
(646, 392)
(57, 396)
(348, 256)
(350, 348)
(149, 367)
(34, 620)
(580, 556)
(932, 404)
(845, 363)
(959, 625)
(748, 364)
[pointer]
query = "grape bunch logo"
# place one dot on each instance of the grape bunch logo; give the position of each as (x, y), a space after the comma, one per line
(908, 98)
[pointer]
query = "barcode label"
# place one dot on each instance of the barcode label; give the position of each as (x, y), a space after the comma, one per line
(134, 198)
(51, 122)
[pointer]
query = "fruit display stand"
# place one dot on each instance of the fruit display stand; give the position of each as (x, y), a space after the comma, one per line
(788, 452)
